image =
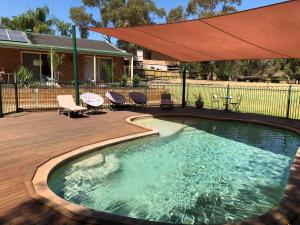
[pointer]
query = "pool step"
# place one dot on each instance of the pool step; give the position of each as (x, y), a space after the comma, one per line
(86, 177)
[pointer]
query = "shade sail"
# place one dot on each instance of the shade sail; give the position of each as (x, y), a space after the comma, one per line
(268, 32)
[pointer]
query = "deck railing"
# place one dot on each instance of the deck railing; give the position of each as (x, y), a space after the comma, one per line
(264, 100)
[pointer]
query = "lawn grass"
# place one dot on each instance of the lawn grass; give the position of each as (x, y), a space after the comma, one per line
(264, 100)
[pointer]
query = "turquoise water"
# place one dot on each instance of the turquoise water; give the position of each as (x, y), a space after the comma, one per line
(195, 172)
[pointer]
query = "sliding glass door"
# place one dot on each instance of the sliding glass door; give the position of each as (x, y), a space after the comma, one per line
(32, 62)
(104, 70)
(88, 64)
(38, 63)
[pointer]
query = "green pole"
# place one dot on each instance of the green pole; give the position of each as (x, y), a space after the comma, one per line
(227, 97)
(75, 65)
(289, 102)
(183, 85)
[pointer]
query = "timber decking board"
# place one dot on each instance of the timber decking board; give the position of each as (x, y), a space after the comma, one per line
(30, 140)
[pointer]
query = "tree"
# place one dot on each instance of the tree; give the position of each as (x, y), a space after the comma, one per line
(176, 15)
(208, 8)
(63, 28)
(80, 17)
(140, 12)
(117, 13)
(57, 62)
(35, 20)
(292, 68)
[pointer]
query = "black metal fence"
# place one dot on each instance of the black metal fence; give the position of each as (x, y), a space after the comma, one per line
(279, 101)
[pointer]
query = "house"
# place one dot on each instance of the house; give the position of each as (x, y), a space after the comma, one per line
(150, 60)
(98, 61)
(280, 77)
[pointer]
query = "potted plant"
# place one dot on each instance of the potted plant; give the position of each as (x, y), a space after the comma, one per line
(136, 81)
(124, 80)
(199, 101)
(24, 76)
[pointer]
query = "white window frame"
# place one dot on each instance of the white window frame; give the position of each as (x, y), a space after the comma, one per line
(95, 57)
(40, 58)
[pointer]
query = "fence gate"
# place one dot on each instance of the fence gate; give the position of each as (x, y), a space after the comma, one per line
(8, 98)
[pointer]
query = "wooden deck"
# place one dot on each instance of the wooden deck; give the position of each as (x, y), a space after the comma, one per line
(30, 140)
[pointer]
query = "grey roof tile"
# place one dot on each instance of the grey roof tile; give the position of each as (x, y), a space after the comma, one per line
(58, 41)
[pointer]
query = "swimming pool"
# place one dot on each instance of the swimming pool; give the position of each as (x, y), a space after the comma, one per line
(196, 172)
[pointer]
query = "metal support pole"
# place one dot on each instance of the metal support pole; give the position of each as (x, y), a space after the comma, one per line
(1, 109)
(183, 85)
(52, 67)
(17, 98)
(227, 97)
(75, 65)
(289, 102)
(95, 69)
(131, 69)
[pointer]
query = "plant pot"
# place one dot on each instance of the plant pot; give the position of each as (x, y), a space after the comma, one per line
(199, 104)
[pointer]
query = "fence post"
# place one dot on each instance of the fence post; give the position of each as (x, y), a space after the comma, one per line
(289, 102)
(183, 102)
(16, 97)
(1, 107)
(75, 65)
(227, 97)
(187, 93)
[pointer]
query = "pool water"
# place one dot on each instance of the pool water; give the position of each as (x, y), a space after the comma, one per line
(195, 172)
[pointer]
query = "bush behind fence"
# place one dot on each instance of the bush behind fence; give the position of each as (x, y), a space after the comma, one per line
(270, 101)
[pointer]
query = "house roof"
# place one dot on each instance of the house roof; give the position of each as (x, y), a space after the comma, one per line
(279, 74)
(64, 44)
(263, 33)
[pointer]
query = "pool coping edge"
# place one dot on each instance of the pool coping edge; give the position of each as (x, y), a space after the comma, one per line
(39, 190)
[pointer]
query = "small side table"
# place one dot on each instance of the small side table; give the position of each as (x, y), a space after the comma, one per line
(226, 101)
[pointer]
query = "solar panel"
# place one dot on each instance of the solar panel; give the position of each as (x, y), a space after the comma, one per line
(14, 32)
(16, 36)
(2, 31)
(4, 37)
(12, 35)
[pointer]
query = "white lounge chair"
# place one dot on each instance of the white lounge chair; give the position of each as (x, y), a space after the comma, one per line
(92, 101)
(67, 104)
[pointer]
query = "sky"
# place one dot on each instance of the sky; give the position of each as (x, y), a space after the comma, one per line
(61, 7)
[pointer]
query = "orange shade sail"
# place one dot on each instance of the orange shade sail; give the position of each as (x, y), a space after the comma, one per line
(268, 32)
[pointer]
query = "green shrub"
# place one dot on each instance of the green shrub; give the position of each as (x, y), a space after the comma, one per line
(136, 81)
(24, 76)
(124, 80)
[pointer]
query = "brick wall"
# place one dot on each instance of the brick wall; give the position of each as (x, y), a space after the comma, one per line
(10, 59)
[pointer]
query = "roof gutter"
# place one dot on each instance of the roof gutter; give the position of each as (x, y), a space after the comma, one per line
(15, 45)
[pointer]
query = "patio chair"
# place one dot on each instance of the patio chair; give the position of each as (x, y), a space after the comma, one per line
(92, 101)
(236, 104)
(215, 100)
(67, 104)
(138, 98)
(166, 101)
(117, 100)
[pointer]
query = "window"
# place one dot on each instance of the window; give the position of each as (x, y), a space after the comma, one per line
(103, 69)
(38, 63)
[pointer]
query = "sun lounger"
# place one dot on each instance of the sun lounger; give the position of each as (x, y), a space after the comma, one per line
(67, 104)
(92, 101)
(115, 99)
(166, 101)
(138, 98)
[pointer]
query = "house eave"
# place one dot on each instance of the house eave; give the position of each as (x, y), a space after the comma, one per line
(16, 45)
